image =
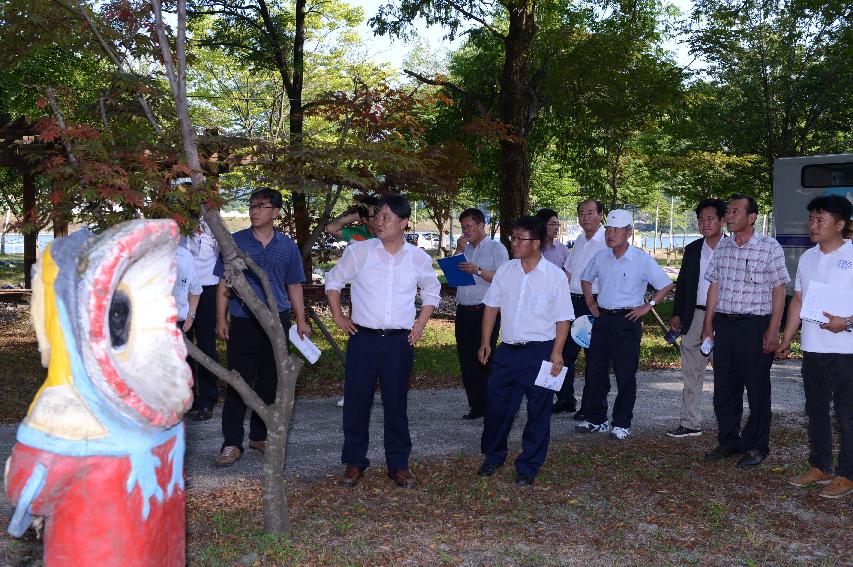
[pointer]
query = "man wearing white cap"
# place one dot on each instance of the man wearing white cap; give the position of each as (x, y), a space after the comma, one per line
(623, 273)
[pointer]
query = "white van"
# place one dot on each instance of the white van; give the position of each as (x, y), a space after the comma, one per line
(796, 181)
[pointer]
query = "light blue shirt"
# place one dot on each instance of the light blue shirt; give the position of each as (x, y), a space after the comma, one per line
(622, 281)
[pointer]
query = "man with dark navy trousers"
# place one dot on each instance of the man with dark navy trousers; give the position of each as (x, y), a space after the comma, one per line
(745, 303)
(532, 296)
(623, 272)
(385, 274)
(587, 245)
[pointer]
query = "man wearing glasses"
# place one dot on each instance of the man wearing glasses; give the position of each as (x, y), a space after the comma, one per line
(249, 349)
(623, 273)
(483, 256)
(385, 274)
(532, 297)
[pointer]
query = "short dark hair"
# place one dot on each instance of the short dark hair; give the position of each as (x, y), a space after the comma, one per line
(271, 195)
(717, 204)
(534, 225)
(546, 214)
(368, 200)
(836, 205)
(598, 206)
(751, 204)
(475, 214)
(398, 204)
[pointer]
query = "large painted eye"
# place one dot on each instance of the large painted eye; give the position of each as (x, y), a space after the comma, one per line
(119, 319)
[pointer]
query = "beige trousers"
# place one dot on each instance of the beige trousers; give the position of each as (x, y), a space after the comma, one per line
(693, 364)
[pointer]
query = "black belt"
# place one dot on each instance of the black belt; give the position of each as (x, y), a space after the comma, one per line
(738, 316)
(701, 307)
(382, 332)
(478, 307)
(516, 346)
(578, 296)
(614, 311)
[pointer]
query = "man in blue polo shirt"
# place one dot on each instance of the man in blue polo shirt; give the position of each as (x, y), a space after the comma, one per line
(249, 349)
(623, 272)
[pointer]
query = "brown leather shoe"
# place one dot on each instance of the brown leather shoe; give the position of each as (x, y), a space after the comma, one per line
(403, 478)
(352, 476)
(838, 487)
(229, 455)
(259, 446)
(811, 476)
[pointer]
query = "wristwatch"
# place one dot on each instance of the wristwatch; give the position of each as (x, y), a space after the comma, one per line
(849, 326)
(479, 271)
(652, 303)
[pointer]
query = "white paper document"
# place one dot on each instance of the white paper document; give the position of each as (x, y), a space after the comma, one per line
(822, 297)
(545, 380)
(308, 349)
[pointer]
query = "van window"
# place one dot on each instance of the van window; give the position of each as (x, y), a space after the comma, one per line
(828, 175)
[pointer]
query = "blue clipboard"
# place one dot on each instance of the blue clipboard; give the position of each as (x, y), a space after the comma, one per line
(455, 276)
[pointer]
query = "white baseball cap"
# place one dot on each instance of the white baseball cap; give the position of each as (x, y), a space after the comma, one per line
(618, 218)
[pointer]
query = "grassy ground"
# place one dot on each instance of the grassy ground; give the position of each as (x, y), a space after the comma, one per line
(650, 501)
(11, 270)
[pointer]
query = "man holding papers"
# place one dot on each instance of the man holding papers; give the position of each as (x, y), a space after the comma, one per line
(623, 273)
(385, 274)
(483, 257)
(744, 311)
(827, 346)
(532, 296)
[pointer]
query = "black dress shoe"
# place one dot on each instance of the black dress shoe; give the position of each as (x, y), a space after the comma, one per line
(721, 452)
(751, 458)
(472, 415)
(579, 416)
(524, 480)
(487, 469)
(561, 407)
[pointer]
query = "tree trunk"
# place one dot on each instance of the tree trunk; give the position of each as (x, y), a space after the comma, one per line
(301, 216)
(30, 235)
(515, 113)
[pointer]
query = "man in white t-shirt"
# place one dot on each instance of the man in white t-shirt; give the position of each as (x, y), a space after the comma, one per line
(827, 347)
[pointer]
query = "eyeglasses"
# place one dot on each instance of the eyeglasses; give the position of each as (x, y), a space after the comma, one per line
(520, 239)
(254, 207)
(385, 217)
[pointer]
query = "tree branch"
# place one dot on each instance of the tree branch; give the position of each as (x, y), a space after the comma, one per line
(479, 20)
(450, 86)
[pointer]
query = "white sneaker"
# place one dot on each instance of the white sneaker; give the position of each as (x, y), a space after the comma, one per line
(620, 433)
(340, 403)
(587, 427)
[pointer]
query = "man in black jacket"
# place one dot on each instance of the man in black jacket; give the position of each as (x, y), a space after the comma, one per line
(688, 313)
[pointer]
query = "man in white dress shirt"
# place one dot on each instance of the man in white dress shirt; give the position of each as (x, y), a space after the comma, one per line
(532, 296)
(483, 256)
(623, 272)
(385, 274)
(587, 245)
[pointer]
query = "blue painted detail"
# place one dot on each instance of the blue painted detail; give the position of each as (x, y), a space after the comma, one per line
(23, 516)
(143, 471)
(177, 458)
(843, 191)
(795, 240)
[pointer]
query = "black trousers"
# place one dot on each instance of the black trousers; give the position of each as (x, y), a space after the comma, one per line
(205, 389)
(469, 325)
(570, 358)
(740, 363)
(828, 379)
(249, 353)
(389, 359)
(615, 340)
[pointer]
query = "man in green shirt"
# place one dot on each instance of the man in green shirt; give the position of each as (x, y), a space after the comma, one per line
(345, 229)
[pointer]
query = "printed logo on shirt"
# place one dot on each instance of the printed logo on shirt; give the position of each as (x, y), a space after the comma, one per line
(358, 237)
(844, 264)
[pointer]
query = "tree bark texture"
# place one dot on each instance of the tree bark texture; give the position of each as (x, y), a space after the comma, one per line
(515, 114)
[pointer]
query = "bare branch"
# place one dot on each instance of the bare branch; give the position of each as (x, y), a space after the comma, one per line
(450, 86)
(60, 121)
(479, 20)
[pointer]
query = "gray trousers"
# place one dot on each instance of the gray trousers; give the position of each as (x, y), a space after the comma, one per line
(693, 364)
